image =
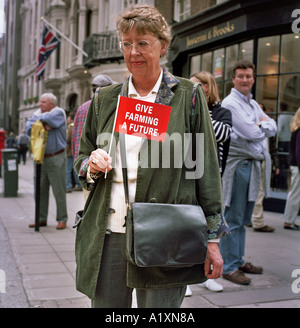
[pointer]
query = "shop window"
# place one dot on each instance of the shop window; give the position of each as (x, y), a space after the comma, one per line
(246, 51)
(220, 89)
(231, 58)
(290, 53)
(206, 62)
(289, 93)
(282, 180)
(268, 55)
(195, 64)
(218, 64)
(266, 91)
(228, 87)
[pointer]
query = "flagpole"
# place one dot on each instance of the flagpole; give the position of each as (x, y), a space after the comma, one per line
(112, 133)
(62, 35)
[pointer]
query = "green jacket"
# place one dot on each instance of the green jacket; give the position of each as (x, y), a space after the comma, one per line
(165, 185)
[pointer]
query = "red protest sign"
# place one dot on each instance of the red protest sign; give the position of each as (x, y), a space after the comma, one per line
(142, 118)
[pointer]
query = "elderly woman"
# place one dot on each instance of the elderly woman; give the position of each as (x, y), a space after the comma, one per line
(103, 272)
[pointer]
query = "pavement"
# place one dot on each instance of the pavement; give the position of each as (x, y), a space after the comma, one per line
(37, 269)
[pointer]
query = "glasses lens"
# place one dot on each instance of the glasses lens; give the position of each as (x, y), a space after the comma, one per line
(143, 46)
(124, 46)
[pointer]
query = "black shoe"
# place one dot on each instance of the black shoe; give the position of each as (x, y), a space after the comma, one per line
(294, 227)
(41, 224)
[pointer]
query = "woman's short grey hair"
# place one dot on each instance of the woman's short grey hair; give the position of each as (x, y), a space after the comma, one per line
(52, 98)
(144, 18)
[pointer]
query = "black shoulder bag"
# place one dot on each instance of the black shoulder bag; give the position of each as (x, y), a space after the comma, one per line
(163, 235)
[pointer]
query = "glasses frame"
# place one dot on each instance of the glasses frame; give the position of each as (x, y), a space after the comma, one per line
(121, 43)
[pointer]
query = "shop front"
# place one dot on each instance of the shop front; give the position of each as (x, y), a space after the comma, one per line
(265, 33)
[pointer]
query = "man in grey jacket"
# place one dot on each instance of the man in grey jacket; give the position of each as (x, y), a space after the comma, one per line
(53, 171)
(241, 179)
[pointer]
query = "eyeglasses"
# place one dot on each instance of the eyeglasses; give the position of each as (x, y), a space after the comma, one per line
(140, 46)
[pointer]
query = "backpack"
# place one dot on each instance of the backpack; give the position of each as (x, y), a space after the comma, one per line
(39, 138)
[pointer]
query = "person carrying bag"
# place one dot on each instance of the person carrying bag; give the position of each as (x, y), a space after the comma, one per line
(102, 232)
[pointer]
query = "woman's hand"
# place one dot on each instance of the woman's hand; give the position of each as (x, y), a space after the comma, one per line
(100, 161)
(213, 266)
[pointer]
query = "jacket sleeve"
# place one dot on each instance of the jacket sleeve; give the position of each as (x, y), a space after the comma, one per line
(87, 145)
(222, 123)
(29, 123)
(55, 118)
(208, 186)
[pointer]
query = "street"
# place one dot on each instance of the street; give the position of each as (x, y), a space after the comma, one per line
(39, 267)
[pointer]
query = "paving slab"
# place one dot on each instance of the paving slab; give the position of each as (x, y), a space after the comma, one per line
(40, 266)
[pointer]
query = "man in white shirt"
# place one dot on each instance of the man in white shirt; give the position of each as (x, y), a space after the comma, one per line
(241, 179)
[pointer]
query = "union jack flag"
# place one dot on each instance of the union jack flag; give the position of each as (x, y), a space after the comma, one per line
(49, 43)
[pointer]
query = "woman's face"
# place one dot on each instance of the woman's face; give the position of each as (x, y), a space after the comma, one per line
(204, 85)
(147, 64)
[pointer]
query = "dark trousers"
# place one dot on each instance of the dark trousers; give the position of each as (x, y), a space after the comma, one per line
(112, 291)
(22, 151)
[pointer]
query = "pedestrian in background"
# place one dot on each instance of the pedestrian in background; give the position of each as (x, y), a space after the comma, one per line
(241, 178)
(220, 116)
(222, 123)
(22, 145)
(293, 199)
(103, 272)
(11, 141)
(100, 81)
(257, 221)
(70, 172)
(53, 169)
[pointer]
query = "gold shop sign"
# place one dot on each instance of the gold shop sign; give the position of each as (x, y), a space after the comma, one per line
(216, 32)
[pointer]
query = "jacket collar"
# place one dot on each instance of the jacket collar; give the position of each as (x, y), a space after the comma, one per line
(165, 93)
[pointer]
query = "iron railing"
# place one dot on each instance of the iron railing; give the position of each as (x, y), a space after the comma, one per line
(101, 48)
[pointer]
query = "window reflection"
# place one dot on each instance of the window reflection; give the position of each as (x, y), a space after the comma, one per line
(268, 55)
(277, 87)
(195, 64)
(266, 91)
(290, 53)
(246, 51)
(218, 64)
(231, 57)
(283, 141)
(289, 93)
(206, 62)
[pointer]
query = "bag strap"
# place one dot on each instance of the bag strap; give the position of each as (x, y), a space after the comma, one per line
(123, 149)
(124, 167)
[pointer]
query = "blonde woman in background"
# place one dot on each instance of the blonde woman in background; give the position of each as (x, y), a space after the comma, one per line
(222, 122)
(293, 199)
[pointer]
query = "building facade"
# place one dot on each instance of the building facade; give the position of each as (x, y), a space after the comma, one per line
(207, 35)
(10, 54)
(265, 32)
(88, 24)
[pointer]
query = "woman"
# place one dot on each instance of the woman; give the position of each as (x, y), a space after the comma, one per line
(103, 272)
(293, 199)
(222, 123)
(221, 117)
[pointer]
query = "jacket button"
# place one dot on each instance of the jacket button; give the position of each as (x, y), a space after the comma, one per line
(153, 200)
